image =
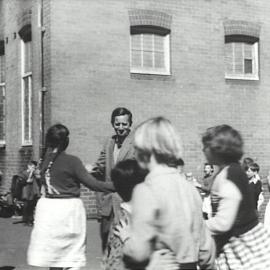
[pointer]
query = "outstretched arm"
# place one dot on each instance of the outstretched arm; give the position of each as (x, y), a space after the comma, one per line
(90, 181)
(98, 168)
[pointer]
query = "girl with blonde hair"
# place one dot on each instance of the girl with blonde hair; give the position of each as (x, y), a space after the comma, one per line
(166, 207)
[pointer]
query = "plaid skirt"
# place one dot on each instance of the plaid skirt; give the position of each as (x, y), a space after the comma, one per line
(249, 251)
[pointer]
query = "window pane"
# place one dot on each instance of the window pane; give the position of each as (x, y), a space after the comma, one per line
(248, 51)
(27, 57)
(2, 68)
(238, 57)
(2, 113)
(2, 94)
(248, 66)
(2, 109)
(229, 57)
(159, 43)
(27, 108)
(136, 58)
(2, 131)
(135, 42)
(147, 42)
(159, 60)
(147, 59)
(148, 53)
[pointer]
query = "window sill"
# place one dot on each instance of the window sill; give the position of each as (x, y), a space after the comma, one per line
(24, 149)
(148, 72)
(140, 76)
(244, 78)
(26, 145)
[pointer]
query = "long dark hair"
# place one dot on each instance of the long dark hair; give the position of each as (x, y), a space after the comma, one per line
(57, 137)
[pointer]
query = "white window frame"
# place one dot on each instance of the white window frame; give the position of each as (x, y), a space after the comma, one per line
(3, 141)
(255, 64)
(26, 75)
(154, 71)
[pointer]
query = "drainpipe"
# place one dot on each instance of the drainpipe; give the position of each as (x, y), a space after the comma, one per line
(43, 88)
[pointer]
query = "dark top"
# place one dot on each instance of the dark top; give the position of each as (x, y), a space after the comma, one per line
(255, 189)
(66, 174)
(207, 183)
(246, 217)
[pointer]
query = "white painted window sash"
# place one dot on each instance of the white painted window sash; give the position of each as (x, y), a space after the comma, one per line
(3, 87)
(152, 70)
(255, 65)
(26, 76)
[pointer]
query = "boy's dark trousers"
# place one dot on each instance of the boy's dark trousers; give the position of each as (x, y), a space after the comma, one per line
(28, 211)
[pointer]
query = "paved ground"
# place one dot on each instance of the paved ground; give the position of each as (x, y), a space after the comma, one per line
(14, 240)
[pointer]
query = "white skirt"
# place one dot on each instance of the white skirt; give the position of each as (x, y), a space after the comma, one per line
(58, 238)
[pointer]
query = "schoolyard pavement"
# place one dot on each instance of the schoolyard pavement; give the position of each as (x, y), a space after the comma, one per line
(14, 239)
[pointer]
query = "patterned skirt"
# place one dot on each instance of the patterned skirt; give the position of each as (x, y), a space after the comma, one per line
(58, 238)
(249, 251)
(267, 217)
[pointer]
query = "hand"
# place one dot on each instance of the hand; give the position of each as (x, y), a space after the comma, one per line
(122, 231)
(163, 259)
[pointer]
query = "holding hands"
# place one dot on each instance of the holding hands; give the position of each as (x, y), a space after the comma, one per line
(163, 259)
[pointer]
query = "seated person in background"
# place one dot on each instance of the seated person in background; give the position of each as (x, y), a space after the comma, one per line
(255, 183)
(125, 176)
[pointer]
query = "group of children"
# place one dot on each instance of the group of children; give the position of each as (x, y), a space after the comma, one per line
(161, 225)
(151, 211)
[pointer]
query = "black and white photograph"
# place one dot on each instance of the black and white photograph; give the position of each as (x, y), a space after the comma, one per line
(134, 135)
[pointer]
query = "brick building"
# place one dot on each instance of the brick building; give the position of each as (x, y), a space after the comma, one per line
(199, 63)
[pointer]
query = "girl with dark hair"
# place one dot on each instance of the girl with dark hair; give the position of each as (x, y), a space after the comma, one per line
(242, 242)
(126, 175)
(58, 238)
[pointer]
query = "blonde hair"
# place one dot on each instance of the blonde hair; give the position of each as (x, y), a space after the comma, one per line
(157, 136)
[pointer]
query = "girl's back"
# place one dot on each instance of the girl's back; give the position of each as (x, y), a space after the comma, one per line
(179, 220)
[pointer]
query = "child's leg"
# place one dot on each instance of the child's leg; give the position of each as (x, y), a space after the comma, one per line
(31, 209)
(25, 212)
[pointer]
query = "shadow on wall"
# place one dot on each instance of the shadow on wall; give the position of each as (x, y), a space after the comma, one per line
(7, 267)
